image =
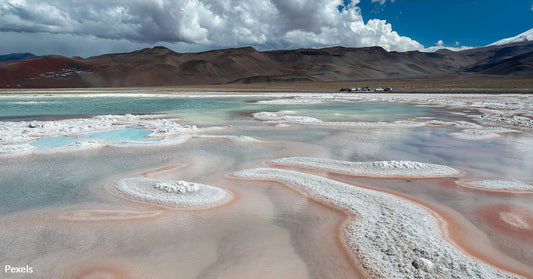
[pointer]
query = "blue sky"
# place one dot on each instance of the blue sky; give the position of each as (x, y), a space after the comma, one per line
(92, 27)
(471, 23)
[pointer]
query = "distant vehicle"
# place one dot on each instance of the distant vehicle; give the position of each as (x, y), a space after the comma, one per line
(366, 89)
(388, 89)
(379, 89)
(353, 89)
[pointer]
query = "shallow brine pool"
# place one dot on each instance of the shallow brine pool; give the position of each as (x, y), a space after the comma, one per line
(130, 133)
(62, 215)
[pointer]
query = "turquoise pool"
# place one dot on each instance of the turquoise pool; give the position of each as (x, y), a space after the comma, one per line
(130, 133)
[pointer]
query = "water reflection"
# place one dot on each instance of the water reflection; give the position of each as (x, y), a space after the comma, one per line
(268, 230)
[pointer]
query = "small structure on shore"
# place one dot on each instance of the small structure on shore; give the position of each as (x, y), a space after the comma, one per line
(352, 89)
(364, 89)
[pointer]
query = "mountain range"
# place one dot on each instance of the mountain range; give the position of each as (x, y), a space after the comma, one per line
(160, 66)
(15, 56)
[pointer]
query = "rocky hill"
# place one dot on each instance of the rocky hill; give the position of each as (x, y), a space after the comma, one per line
(160, 66)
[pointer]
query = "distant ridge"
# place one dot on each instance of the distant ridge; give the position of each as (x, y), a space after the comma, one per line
(15, 56)
(160, 66)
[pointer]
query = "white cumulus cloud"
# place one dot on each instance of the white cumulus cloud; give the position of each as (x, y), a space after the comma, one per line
(201, 24)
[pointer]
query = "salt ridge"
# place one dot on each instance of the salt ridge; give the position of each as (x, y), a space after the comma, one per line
(392, 238)
(497, 185)
(375, 169)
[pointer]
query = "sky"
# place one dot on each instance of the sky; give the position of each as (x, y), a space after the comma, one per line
(92, 27)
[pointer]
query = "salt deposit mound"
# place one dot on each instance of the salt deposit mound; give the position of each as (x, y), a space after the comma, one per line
(168, 193)
(473, 134)
(505, 185)
(375, 169)
(392, 237)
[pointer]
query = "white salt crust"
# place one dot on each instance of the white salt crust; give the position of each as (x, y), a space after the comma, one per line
(168, 193)
(293, 101)
(392, 237)
(458, 124)
(514, 103)
(26, 149)
(230, 137)
(506, 109)
(375, 169)
(15, 150)
(478, 134)
(281, 117)
(15, 137)
(514, 220)
(497, 185)
(27, 131)
(471, 131)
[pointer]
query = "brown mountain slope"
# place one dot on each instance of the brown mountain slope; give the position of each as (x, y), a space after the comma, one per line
(160, 66)
(341, 63)
(510, 60)
(521, 65)
(45, 71)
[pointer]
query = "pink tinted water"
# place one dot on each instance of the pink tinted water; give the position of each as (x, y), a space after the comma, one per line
(268, 231)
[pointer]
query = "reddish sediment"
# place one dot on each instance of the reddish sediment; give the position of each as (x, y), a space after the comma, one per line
(154, 172)
(107, 215)
(452, 230)
(345, 253)
(513, 220)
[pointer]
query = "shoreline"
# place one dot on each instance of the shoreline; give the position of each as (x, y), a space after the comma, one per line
(436, 84)
(445, 220)
(110, 92)
(354, 227)
(338, 231)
